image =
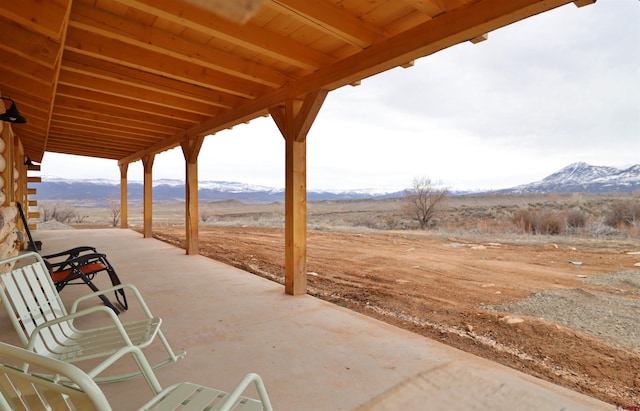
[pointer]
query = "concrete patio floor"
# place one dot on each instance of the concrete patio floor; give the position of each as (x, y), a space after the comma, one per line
(312, 355)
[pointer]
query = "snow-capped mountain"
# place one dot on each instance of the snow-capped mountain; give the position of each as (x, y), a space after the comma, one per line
(101, 191)
(583, 177)
(577, 177)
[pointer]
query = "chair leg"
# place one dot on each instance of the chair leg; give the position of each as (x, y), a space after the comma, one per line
(115, 280)
(91, 285)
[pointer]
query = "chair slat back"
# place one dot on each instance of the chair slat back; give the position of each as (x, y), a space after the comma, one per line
(30, 298)
(22, 390)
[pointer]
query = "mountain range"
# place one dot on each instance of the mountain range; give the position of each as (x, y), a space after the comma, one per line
(577, 177)
(584, 178)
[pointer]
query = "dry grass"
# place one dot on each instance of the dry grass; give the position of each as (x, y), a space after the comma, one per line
(578, 216)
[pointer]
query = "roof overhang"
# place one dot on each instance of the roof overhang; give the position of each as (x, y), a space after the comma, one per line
(121, 79)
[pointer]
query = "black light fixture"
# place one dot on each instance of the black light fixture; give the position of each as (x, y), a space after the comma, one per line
(12, 115)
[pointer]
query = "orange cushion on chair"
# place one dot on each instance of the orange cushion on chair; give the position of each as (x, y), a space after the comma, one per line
(86, 269)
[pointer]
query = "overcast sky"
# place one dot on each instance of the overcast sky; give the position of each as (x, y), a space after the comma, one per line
(535, 97)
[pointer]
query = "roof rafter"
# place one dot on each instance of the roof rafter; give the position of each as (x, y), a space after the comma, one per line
(247, 36)
(94, 96)
(149, 81)
(110, 26)
(103, 121)
(459, 25)
(93, 45)
(332, 20)
(109, 87)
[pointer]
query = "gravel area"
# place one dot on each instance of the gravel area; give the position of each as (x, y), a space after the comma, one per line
(53, 225)
(612, 313)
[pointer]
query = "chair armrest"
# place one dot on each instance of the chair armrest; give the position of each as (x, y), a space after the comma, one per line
(131, 287)
(242, 386)
(78, 261)
(72, 253)
(78, 314)
(196, 397)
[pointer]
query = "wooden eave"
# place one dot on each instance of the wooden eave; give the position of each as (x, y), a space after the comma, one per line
(123, 79)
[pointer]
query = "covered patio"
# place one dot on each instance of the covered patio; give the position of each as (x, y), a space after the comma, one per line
(313, 355)
(126, 80)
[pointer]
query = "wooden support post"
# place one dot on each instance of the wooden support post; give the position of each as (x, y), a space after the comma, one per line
(124, 204)
(296, 217)
(191, 149)
(147, 163)
(294, 120)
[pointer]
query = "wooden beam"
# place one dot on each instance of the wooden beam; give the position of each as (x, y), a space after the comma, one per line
(464, 23)
(52, 97)
(81, 63)
(295, 282)
(105, 120)
(331, 20)
(147, 163)
(308, 113)
(479, 39)
(459, 25)
(247, 36)
(150, 38)
(155, 148)
(582, 3)
(151, 61)
(44, 17)
(26, 86)
(444, 31)
(429, 7)
(294, 120)
(27, 68)
(408, 64)
(124, 200)
(235, 10)
(125, 102)
(118, 113)
(109, 87)
(30, 45)
(191, 149)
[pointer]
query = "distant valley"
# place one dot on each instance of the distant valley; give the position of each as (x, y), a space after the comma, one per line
(577, 177)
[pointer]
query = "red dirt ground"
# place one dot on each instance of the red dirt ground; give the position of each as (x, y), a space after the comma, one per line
(436, 288)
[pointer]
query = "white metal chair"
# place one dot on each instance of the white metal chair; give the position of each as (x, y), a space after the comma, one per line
(45, 327)
(23, 389)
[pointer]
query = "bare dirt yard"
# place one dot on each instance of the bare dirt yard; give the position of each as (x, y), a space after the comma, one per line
(465, 294)
(565, 309)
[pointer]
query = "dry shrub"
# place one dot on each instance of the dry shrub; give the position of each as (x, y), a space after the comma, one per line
(549, 222)
(634, 231)
(61, 212)
(369, 221)
(600, 229)
(623, 213)
(494, 227)
(206, 214)
(524, 219)
(576, 218)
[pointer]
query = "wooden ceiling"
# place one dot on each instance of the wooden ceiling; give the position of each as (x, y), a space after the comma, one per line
(119, 79)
